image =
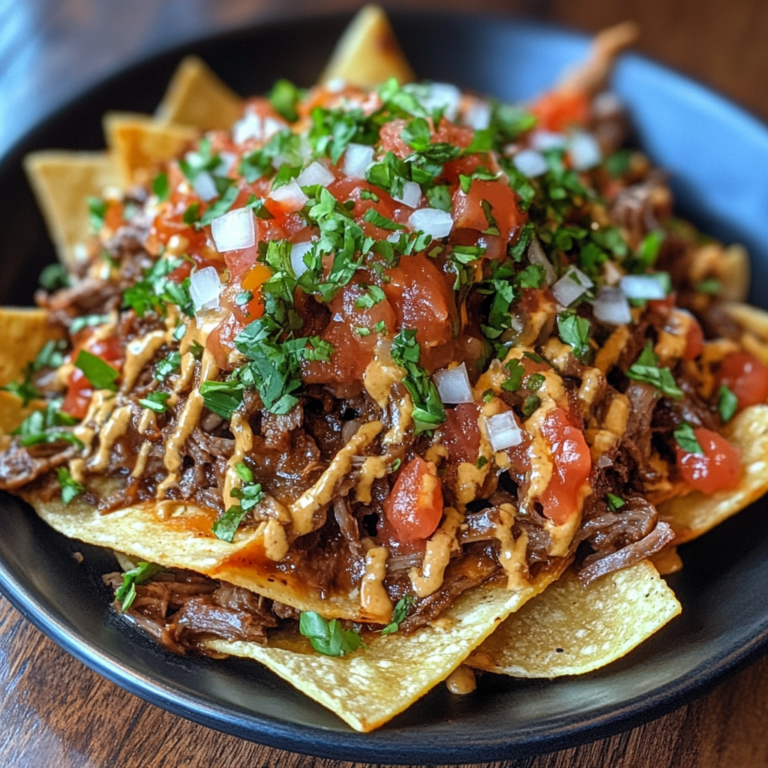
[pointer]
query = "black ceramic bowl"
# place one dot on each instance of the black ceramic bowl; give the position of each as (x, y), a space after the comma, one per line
(716, 154)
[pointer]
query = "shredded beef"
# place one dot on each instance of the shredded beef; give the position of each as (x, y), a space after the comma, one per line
(181, 610)
(642, 207)
(20, 466)
(656, 540)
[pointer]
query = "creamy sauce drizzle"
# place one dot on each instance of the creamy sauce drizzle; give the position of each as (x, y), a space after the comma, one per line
(138, 353)
(141, 459)
(374, 468)
(114, 429)
(275, 540)
(513, 551)
(374, 599)
(461, 681)
(437, 556)
(241, 429)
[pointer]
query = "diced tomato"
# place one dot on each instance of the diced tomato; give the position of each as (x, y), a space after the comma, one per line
(468, 208)
(352, 351)
(717, 469)
(390, 138)
(694, 340)
(558, 110)
(80, 390)
(415, 504)
(460, 433)
(240, 261)
(572, 464)
(746, 377)
(421, 299)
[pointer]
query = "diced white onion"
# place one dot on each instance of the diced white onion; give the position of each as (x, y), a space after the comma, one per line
(432, 221)
(543, 140)
(611, 306)
(441, 95)
(204, 289)
(234, 230)
(503, 431)
(584, 151)
(530, 163)
(205, 187)
(356, 159)
(315, 173)
(226, 161)
(271, 127)
(290, 196)
(571, 286)
(411, 194)
(478, 115)
(536, 255)
(643, 287)
(298, 252)
(453, 385)
(251, 126)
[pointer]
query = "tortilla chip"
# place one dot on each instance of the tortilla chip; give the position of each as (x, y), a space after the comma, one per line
(368, 53)
(13, 412)
(23, 333)
(570, 630)
(196, 97)
(62, 183)
(696, 513)
(734, 274)
(140, 144)
(369, 687)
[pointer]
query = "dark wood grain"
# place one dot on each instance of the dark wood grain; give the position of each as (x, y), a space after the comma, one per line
(54, 711)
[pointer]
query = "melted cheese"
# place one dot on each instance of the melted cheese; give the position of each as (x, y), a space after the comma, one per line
(513, 551)
(374, 468)
(461, 681)
(608, 355)
(374, 599)
(304, 508)
(141, 459)
(241, 429)
(275, 540)
(438, 555)
(138, 353)
(114, 429)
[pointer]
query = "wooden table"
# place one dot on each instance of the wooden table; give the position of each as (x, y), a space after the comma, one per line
(54, 711)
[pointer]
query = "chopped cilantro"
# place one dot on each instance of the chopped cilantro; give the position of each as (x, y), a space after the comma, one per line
(226, 526)
(44, 426)
(98, 372)
(160, 187)
(284, 97)
(439, 197)
(155, 401)
(403, 605)
(191, 215)
(648, 251)
(574, 331)
(481, 462)
(97, 211)
(222, 397)
(532, 402)
(534, 382)
(514, 380)
(168, 365)
(615, 503)
(686, 439)
(617, 164)
(86, 321)
(428, 409)
(69, 486)
(375, 218)
(727, 403)
(156, 289)
(126, 594)
(532, 276)
(328, 637)
(54, 276)
(417, 134)
(646, 368)
(711, 286)
(362, 331)
(221, 206)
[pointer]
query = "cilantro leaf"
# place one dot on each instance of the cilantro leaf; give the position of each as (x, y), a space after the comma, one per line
(439, 197)
(417, 134)
(328, 637)
(532, 402)
(727, 403)
(69, 486)
(428, 408)
(646, 369)
(97, 211)
(170, 363)
(143, 571)
(87, 321)
(686, 439)
(514, 380)
(404, 604)
(284, 97)
(221, 206)
(375, 218)
(160, 187)
(54, 276)
(43, 426)
(226, 526)
(155, 401)
(370, 297)
(98, 372)
(615, 503)
(222, 397)
(574, 331)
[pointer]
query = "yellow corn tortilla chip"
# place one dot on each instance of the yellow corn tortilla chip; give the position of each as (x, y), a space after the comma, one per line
(570, 630)
(140, 144)
(13, 412)
(734, 274)
(23, 333)
(368, 53)
(369, 687)
(696, 513)
(754, 324)
(196, 97)
(62, 183)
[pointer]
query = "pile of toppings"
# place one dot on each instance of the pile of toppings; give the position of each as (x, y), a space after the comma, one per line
(420, 339)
